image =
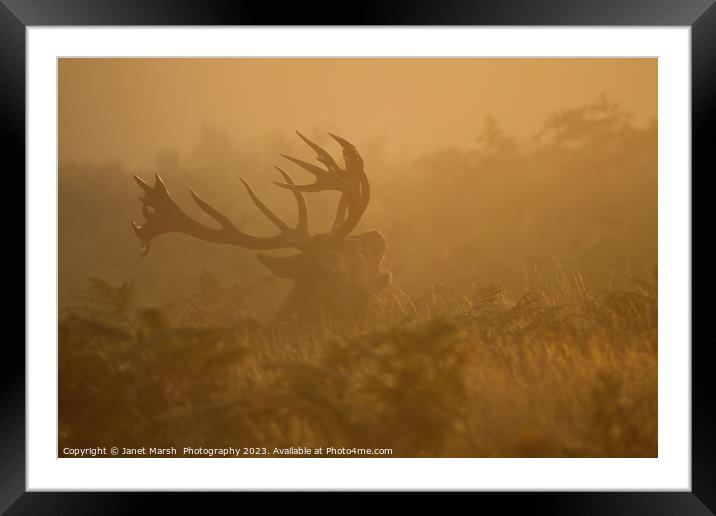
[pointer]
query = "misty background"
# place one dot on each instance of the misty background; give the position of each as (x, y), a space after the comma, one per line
(483, 171)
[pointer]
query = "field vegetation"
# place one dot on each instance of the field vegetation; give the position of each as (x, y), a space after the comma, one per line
(522, 321)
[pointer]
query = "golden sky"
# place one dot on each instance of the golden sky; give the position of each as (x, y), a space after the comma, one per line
(128, 110)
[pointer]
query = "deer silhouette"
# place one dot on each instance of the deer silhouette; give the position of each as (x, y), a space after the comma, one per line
(333, 273)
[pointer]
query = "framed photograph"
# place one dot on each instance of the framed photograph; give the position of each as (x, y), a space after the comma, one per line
(440, 249)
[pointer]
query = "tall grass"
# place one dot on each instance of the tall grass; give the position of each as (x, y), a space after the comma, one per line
(454, 371)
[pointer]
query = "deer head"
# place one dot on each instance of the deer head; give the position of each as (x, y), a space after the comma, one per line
(333, 273)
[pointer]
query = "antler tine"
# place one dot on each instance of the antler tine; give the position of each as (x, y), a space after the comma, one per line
(211, 211)
(318, 186)
(331, 178)
(350, 153)
(265, 209)
(163, 216)
(302, 224)
(142, 183)
(351, 182)
(353, 160)
(322, 155)
(355, 200)
(325, 180)
(313, 169)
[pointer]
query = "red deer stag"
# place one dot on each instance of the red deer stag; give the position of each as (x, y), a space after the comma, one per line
(333, 273)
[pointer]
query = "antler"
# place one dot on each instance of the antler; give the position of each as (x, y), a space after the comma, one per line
(163, 215)
(352, 182)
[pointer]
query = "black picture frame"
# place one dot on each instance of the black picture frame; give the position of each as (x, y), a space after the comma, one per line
(17, 15)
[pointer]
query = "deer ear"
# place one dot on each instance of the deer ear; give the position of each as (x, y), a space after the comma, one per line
(282, 266)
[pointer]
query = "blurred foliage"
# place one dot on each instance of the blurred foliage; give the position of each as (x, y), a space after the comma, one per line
(455, 371)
